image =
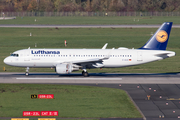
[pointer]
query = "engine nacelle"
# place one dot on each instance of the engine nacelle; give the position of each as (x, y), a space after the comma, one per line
(65, 68)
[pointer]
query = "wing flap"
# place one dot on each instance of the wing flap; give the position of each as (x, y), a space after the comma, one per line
(86, 61)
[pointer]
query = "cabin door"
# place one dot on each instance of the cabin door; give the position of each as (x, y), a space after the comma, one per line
(26, 56)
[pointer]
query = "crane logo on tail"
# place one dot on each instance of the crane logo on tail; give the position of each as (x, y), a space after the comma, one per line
(162, 36)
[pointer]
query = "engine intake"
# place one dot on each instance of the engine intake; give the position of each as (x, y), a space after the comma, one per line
(65, 68)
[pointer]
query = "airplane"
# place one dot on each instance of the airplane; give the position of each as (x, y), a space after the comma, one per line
(67, 60)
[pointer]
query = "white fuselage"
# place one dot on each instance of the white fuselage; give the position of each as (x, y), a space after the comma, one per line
(117, 57)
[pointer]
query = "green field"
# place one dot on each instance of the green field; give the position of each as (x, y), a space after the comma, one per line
(120, 20)
(70, 101)
(13, 39)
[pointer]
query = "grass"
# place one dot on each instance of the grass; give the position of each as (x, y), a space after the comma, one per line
(13, 39)
(70, 101)
(120, 20)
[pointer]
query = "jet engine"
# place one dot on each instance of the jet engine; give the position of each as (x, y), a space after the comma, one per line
(65, 68)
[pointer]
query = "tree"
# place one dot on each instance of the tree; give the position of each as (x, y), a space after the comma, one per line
(49, 5)
(32, 6)
(67, 5)
(132, 5)
(118, 5)
(59, 4)
(96, 5)
(88, 6)
(172, 5)
(18, 5)
(42, 5)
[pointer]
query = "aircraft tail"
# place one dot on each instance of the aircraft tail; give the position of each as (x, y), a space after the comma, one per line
(160, 39)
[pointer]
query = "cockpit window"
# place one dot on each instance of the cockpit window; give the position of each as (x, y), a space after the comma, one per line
(15, 55)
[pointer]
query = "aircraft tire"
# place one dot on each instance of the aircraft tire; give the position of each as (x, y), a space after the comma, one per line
(27, 74)
(85, 74)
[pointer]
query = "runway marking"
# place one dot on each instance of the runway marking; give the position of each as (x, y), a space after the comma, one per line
(103, 79)
(173, 99)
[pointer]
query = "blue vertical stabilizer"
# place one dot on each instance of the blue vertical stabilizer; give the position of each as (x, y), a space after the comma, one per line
(160, 39)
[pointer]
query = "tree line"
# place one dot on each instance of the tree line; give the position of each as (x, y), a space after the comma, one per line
(89, 5)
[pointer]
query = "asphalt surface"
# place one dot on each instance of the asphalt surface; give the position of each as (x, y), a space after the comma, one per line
(94, 78)
(85, 26)
(159, 99)
(158, 105)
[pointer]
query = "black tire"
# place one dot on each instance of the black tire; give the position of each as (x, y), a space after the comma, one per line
(27, 74)
(85, 74)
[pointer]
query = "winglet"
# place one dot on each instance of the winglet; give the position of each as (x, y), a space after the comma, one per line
(104, 47)
(160, 39)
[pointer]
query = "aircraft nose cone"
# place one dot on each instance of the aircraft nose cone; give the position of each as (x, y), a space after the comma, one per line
(6, 61)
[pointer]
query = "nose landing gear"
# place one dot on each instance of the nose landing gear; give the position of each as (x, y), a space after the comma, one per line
(27, 71)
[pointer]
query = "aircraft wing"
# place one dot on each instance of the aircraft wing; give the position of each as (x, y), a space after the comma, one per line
(88, 60)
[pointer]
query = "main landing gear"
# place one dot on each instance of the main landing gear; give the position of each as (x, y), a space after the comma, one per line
(85, 73)
(27, 71)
